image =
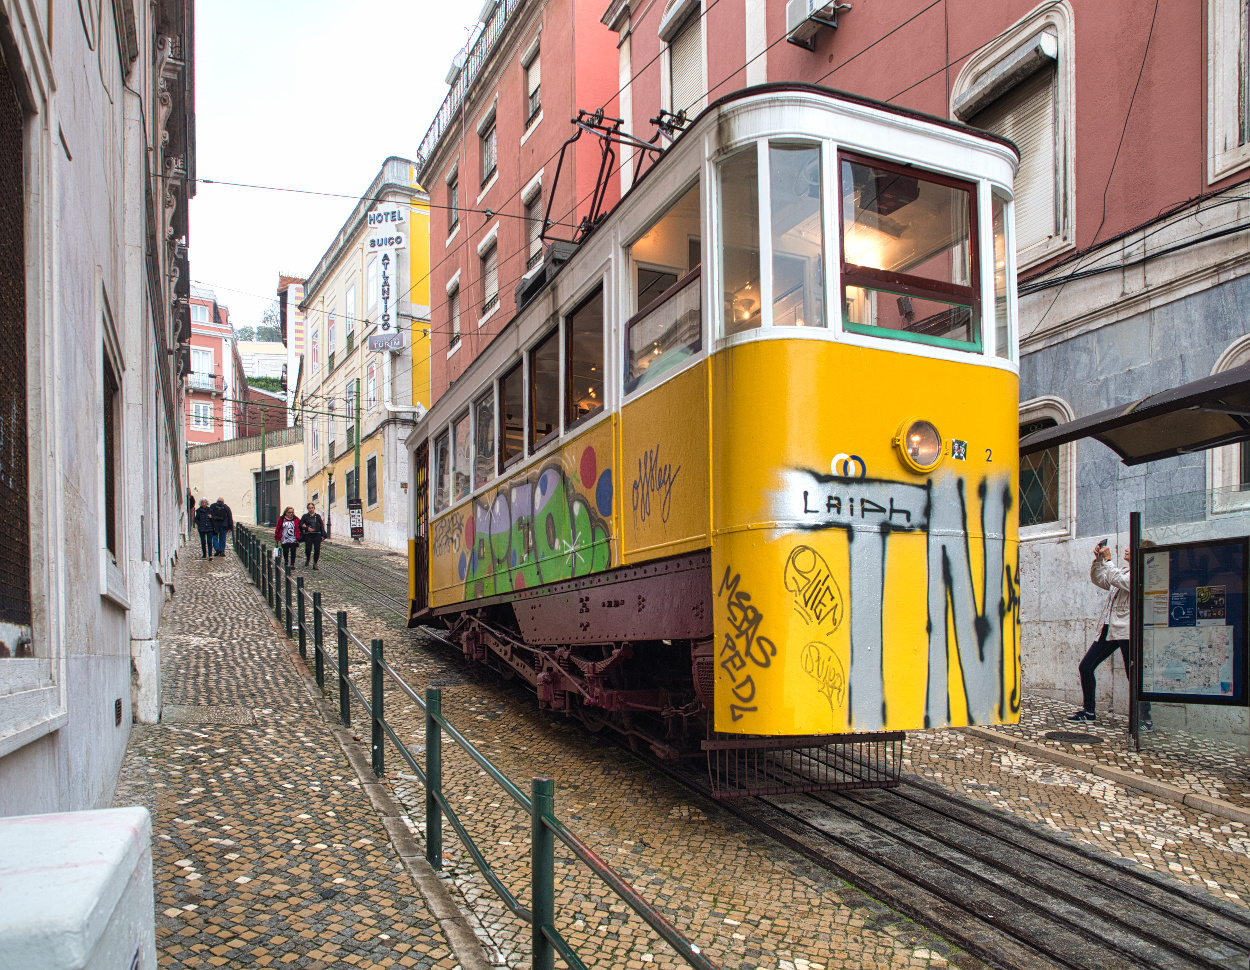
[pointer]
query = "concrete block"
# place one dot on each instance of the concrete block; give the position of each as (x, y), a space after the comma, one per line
(76, 891)
(145, 681)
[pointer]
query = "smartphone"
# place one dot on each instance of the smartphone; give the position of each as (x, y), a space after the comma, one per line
(1101, 544)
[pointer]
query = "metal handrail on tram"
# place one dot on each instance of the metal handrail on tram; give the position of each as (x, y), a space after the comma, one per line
(290, 604)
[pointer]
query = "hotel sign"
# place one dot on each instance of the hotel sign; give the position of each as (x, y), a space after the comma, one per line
(387, 234)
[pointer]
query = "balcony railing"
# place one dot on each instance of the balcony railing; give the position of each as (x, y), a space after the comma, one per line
(205, 382)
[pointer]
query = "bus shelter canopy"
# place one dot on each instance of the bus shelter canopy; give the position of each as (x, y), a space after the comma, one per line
(1209, 413)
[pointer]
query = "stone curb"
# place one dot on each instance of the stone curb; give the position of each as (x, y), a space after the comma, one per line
(1129, 779)
(462, 929)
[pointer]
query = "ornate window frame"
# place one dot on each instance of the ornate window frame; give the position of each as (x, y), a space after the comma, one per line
(1224, 464)
(1049, 406)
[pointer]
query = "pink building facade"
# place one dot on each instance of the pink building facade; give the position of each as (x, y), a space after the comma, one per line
(489, 165)
(216, 386)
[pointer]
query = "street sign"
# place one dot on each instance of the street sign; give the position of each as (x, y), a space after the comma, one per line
(386, 341)
(356, 518)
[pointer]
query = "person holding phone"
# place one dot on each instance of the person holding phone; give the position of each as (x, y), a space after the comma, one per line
(1115, 626)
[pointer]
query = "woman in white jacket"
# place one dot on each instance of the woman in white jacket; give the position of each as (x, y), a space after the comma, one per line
(1115, 624)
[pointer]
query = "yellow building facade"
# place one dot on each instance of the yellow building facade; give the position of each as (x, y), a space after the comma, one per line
(366, 369)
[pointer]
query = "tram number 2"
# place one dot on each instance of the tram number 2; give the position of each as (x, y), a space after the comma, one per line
(989, 455)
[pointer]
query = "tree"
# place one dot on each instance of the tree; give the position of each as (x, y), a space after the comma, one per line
(266, 383)
(245, 333)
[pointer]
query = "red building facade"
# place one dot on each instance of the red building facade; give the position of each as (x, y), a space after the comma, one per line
(489, 164)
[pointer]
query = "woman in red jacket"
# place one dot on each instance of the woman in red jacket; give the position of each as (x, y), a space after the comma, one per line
(286, 534)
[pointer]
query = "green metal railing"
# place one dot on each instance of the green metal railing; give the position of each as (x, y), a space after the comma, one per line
(293, 608)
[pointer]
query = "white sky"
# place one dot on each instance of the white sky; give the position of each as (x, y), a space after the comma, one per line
(307, 95)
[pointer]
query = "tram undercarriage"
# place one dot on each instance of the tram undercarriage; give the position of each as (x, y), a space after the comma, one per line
(655, 692)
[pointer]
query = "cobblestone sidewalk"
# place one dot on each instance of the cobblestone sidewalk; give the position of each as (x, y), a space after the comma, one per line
(266, 851)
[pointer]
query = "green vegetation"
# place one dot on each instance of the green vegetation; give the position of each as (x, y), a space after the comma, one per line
(266, 384)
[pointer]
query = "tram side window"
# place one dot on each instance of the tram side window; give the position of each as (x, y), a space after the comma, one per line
(512, 416)
(460, 450)
(484, 439)
(584, 359)
(442, 472)
(798, 235)
(740, 247)
(545, 390)
(909, 258)
(668, 250)
(1002, 340)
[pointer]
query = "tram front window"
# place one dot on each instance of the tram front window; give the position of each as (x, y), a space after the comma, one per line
(909, 260)
(740, 242)
(798, 236)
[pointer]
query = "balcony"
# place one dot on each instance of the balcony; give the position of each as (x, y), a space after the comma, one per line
(205, 382)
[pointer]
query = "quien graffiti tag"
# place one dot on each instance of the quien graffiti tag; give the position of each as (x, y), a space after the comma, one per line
(550, 526)
(743, 643)
(823, 666)
(653, 479)
(818, 603)
(981, 612)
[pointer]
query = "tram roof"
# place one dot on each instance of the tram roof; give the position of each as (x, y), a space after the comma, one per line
(1198, 416)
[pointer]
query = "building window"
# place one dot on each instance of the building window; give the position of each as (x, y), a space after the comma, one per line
(685, 61)
(461, 460)
(314, 429)
(201, 369)
(453, 308)
(545, 390)
(442, 472)
(484, 439)
(290, 474)
(316, 349)
(1047, 478)
(350, 391)
(583, 359)
(332, 495)
(371, 283)
(1039, 480)
(199, 313)
(512, 416)
(330, 342)
(1228, 87)
(489, 150)
(371, 481)
(453, 203)
(201, 416)
(490, 279)
(352, 493)
(534, 229)
(1021, 87)
(112, 436)
(533, 83)
(371, 387)
(349, 316)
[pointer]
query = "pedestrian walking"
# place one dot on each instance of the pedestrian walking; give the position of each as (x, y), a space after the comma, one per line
(312, 530)
(1115, 628)
(223, 522)
(204, 525)
(286, 534)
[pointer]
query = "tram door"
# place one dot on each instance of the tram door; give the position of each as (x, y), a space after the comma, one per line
(421, 531)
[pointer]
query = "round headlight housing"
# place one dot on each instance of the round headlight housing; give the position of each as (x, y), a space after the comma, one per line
(920, 445)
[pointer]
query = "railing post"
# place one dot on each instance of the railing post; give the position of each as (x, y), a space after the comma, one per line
(288, 603)
(268, 576)
(277, 589)
(345, 698)
(379, 748)
(302, 634)
(433, 778)
(542, 872)
(319, 663)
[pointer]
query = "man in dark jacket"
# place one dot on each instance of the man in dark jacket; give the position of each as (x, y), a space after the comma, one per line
(223, 522)
(312, 530)
(205, 527)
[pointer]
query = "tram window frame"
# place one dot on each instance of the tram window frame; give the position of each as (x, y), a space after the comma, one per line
(905, 285)
(815, 295)
(461, 449)
(505, 459)
(440, 458)
(554, 338)
(572, 420)
(485, 466)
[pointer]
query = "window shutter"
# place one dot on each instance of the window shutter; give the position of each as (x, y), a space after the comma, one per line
(490, 276)
(1026, 115)
(534, 211)
(686, 64)
(455, 314)
(533, 80)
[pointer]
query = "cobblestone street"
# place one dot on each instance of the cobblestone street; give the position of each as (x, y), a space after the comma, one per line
(265, 849)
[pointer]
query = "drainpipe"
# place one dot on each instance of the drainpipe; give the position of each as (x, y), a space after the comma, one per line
(417, 409)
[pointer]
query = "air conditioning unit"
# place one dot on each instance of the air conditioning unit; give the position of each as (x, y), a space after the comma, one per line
(457, 65)
(805, 17)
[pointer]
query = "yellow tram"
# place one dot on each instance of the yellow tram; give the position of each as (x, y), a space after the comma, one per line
(747, 462)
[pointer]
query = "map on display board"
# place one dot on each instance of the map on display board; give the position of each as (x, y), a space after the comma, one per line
(1193, 622)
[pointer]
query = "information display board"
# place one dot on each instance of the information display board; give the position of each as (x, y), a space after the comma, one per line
(356, 518)
(1194, 622)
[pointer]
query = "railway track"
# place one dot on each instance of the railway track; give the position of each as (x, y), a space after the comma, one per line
(1005, 892)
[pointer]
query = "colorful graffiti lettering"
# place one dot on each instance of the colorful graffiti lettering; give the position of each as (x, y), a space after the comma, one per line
(743, 643)
(653, 479)
(550, 526)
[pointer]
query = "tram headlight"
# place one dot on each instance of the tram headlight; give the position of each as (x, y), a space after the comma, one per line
(920, 445)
